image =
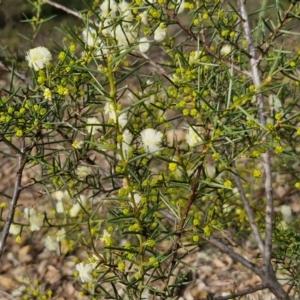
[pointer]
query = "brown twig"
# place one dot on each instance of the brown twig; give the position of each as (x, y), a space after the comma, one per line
(154, 64)
(7, 296)
(244, 292)
(275, 32)
(89, 161)
(5, 68)
(16, 195)
(187, 209)
(61, 7)
(175, 247)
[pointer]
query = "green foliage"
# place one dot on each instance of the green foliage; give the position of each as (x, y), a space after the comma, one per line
(142, 157)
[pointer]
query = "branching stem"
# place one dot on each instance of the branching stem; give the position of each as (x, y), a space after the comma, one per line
(265, 156)
(250, 214)
(269, 275)
(16, 195)
(61, 7)
(181, 225)
(244, 292)
(245, 262)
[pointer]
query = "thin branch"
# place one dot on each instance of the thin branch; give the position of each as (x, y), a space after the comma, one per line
(154, 64)
(249, 213)
(9, 144)
(181, 225)
(16, 195)
(244, 292)
(7, 296)
(266, 156)
(61, 7)
(233, 43)
(23, 77)
(87, 159)
(175, 247)
(269, 275)
(283, 21)
(245, 262)
(269, 279)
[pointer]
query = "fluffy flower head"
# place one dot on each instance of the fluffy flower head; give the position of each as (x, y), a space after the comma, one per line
(127, 139)
(126, 11)
(136, 197)
(194, 57)
(82, 172)
(192, 138)
(160, 34)
(92, 125)
(225, 50)
(124, 36)
(60, 235)
(110, 110)
(286, 213)
(29, 212)
(35, 219)
(112, 113)
(85, 271)
(106, 238)
(51, 243)
(37, 58)
(76, 208)
(14, 229)
(144, 18)
(90, 37)
(151, 139)
(62, 195)
(108, 8)
(180, 5)
(60, 207)
(275, 103)
(144, 45)
(36, 222)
